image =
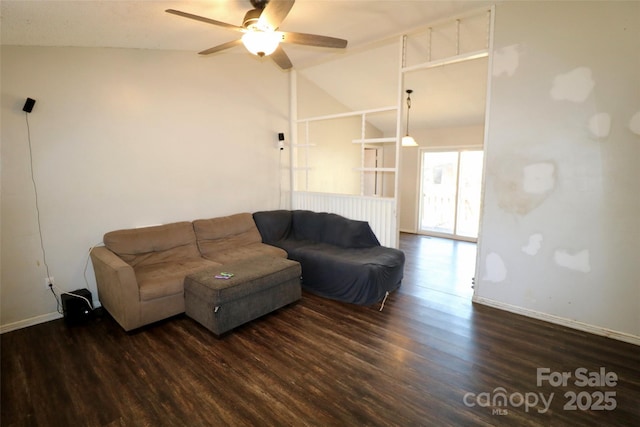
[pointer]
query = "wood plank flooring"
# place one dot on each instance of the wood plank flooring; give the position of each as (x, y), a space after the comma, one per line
(430, 358)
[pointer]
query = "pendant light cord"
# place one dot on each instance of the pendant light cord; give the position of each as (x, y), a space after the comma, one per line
(409, 92)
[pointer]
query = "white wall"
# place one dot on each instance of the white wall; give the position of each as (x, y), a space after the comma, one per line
(559, 236)
(124, 138)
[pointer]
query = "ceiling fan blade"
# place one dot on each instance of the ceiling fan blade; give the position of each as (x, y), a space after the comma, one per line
(274, 13)
(203, 19)
(281, 58)
(313, 40)
(221, 47)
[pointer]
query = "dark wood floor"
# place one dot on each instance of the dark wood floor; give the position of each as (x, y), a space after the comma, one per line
(429, 358)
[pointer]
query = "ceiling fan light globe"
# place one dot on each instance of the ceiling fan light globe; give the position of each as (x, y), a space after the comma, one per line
(261, 43)
(408, 141)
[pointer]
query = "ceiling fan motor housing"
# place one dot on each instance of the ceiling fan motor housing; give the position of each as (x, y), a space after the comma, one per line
(251, 18)
(259, 4)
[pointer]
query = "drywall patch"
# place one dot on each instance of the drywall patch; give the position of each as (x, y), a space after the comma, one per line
(600, 125)
(539, 178)
(506, 61)
(575, 86)
(634, 123)
(533, 247)
(578, 261)
(521, 187)
(495, 270)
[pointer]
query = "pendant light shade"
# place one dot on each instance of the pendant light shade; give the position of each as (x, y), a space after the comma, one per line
(407, 140)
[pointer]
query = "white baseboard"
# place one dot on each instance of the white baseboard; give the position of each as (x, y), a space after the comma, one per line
(597, 330)
(29, 322)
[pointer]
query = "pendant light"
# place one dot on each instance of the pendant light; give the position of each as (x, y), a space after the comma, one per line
(408, 141)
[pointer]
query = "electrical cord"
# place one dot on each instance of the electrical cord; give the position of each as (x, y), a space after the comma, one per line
(35, 191)
(86, 264)
(58, 304)
(52, 287)
(280, 178)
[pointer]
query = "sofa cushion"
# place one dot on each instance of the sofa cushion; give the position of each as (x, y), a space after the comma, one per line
(232, 238)
(253, 250)
(307, 226)
(333, 229)
(153, 245)
(274, 226)
(167, 278)
(356, 275)
(348, 233)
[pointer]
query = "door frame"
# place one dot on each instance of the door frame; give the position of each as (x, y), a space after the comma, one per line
(377, 176)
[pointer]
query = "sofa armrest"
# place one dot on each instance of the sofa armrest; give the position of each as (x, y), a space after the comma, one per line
(118, 290)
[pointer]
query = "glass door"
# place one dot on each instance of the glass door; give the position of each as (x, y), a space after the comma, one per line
(450, 193)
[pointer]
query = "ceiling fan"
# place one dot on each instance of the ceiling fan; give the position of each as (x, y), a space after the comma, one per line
(261, 36)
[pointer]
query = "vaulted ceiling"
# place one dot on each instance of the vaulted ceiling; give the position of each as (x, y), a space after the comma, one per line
(144, 24)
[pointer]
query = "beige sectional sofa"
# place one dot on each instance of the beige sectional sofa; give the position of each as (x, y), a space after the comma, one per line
(140, 272)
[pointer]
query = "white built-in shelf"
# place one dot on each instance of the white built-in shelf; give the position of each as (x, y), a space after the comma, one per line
(348, 114)
(375, 169)
(374, 140)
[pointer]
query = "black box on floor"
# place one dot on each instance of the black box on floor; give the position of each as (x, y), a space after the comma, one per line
(77, 306)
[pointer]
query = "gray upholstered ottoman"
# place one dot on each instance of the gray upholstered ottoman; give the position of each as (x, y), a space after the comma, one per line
(258, 286)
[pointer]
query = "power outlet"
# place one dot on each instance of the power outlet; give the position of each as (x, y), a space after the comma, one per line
(48, 281)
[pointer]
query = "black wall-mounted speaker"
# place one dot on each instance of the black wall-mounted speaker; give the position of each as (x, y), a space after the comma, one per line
(28, 105)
